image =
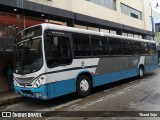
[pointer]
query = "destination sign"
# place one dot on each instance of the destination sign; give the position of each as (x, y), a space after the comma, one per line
(29, 33)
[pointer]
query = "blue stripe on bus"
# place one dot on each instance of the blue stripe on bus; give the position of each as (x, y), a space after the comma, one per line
(108, 78)
(64, 87)
(101, 79)
(41, 89)
(150, 67)
(61, 88)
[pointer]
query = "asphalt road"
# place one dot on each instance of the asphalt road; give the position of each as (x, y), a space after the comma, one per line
(133, 95)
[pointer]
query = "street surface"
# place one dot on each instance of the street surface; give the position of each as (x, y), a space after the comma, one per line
(128, 95)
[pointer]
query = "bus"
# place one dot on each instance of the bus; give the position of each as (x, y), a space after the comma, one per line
(53, 60)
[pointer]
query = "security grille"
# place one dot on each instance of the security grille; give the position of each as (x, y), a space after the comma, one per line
(25, 80)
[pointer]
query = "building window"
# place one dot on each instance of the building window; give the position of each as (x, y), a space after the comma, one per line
(11, 24)
(111, 4)
(131, 12)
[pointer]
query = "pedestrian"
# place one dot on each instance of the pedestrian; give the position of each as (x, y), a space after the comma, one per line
(9, 74)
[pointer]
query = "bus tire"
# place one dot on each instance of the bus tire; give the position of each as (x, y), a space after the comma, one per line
(141, 72)
(83, 86)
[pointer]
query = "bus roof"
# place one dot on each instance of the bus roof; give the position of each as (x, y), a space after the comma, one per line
(89, 32)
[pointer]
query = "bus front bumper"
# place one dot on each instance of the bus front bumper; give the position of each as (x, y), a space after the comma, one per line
(39, 93)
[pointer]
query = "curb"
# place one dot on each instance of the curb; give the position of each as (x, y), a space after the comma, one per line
(11, 100)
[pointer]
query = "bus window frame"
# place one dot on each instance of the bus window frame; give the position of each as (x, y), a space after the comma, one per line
(90, 46)
(99, 37)
(66, 34)
(139, 54)
(123, 40)
(120, 45)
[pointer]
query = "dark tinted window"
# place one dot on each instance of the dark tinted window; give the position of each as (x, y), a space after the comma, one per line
(144, 48)
(115, 46)
(57, 50)
(151, 48)
(136, 47)
(100, 46)
(81, 45)
(127, 47)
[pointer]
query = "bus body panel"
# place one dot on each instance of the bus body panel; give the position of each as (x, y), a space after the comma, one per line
(32, 92)
(60, 88)
(61, 80)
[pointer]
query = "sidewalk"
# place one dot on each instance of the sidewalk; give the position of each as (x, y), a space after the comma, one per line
(9, 98)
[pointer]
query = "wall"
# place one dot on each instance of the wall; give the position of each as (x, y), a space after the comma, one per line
(46, 2)
(147, 15)
(4, 60)
(98, 11)
(94, 10)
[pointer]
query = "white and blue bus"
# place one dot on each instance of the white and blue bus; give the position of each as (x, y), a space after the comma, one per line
(53, 60)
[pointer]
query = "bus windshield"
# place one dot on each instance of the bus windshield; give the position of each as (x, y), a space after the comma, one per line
(28, 53)
(28, 56)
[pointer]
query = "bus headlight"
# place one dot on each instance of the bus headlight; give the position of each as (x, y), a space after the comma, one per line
(39, 82)
(15, 82)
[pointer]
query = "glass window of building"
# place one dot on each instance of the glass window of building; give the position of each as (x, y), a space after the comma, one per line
(111, 4)
(8, 23)
(131, 12)
(11, 24)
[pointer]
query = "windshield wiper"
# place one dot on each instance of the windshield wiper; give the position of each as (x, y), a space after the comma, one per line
(57, 64)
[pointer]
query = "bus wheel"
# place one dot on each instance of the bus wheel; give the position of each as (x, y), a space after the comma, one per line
(141, 72)
(83, 86)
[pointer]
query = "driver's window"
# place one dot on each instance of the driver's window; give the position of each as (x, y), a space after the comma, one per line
(58, 50)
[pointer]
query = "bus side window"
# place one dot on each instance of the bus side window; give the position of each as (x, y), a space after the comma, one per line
(136, 47)
(57, 50)
(151, 48)
(144, 48)
(115, 46)
(127, 47)
(100, 46)
(81, 45)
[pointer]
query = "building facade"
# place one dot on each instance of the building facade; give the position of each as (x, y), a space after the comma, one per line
(123, 17)
(157, 29)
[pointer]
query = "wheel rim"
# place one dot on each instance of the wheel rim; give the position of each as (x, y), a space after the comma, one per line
(141, 72)
(84, 85)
